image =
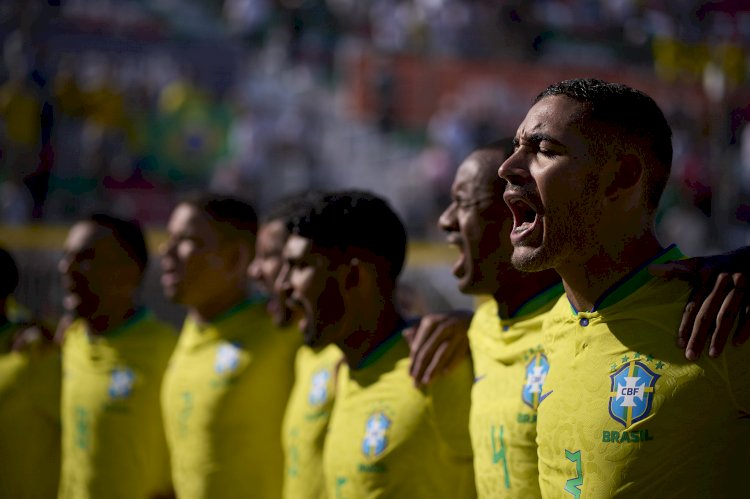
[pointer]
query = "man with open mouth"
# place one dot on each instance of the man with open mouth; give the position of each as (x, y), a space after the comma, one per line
(620, 403)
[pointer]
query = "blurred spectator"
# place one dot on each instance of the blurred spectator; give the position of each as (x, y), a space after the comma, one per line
(114, 355)
(30, 394)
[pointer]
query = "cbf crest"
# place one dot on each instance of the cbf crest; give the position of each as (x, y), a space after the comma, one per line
(227, 358)
(536, 372)
(632, 393)
(121, 383)
(376, 434)
(319, 387)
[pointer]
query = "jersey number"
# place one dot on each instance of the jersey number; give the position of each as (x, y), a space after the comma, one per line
(498, 451)
(573, 486)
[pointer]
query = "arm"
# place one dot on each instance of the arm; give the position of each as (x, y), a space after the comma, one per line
(438, 343)
(718, 300)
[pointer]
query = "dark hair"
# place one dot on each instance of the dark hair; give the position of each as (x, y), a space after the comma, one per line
(9, 273)
(356, 223)
(128, 234)
(233, 217)
(291, 207)
(632, 114)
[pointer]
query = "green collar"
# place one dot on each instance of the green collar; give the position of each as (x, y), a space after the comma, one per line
(380, 350)
(232, 311)
(634, 280)
(539, 301)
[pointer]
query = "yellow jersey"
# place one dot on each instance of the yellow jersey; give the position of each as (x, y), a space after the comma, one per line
(113, 441)
(224, 396)
(509, 371)
(624, 414)
(306, 421)
(29, 418)
(389, 439)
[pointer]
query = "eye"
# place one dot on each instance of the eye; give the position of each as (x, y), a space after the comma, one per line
(547, 152)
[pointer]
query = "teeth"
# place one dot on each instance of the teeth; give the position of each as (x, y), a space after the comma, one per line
(522, 228)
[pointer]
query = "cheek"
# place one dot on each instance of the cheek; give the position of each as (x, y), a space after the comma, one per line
(475, 232)
(332, 304)
(271, 269)
(185, 252)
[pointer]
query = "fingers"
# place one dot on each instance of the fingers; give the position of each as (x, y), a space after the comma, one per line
(425, 342)
(434, 344)
(687, 321)
(706, 317)
(727, 315)
(408, 334)
(447, 355)
(683, 269)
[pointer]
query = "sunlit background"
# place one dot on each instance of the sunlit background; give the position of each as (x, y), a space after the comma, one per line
(127, 105)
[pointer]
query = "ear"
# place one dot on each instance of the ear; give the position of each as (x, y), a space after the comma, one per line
(627, 175)
(240, 258)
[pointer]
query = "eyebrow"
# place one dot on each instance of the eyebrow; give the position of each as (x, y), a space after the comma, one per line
(536, 138)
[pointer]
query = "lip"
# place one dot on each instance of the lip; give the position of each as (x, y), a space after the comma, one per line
(525, 225)
(169, 278)
(455, 239)
(297, 309)
(72, 286)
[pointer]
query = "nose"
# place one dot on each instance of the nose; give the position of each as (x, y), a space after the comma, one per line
(65, 264)
(167, 249)
(448, 221)
(514, 170)
(283, 285)
(253, 270)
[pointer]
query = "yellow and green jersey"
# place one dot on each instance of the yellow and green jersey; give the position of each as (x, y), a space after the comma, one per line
(306, 421)
(509, 371)
(29, 418)
(389, 439)
(224, 396)
(113, 441)
(624, 414)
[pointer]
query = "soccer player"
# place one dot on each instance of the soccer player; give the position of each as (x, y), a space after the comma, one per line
(29, 403)
(230, 376)
(114, 354)
(386, 437)
(622, 411)
(309, 407)
(505, 334)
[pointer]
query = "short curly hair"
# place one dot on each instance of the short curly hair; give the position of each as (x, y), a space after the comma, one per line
(632, 115)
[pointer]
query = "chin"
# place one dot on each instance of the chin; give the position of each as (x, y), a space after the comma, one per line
(528, 259)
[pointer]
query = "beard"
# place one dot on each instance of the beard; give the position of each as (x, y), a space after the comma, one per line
(568, 235)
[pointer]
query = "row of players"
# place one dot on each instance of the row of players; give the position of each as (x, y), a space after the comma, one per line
(220, 414)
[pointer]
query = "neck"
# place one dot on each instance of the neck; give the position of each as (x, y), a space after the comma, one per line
(519, 287)
(372, 329)
(586, 282)
(101, 322)
(209, 311)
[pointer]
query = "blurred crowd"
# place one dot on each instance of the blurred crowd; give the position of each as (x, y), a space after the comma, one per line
(129, 105)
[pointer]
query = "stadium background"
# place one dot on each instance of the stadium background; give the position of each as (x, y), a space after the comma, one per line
(127, 105)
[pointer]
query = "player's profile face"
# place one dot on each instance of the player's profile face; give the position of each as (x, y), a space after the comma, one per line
(478, 223)
(89, 268)
(266, 266)
(553, 186)
(313, 291)
(193, 260)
